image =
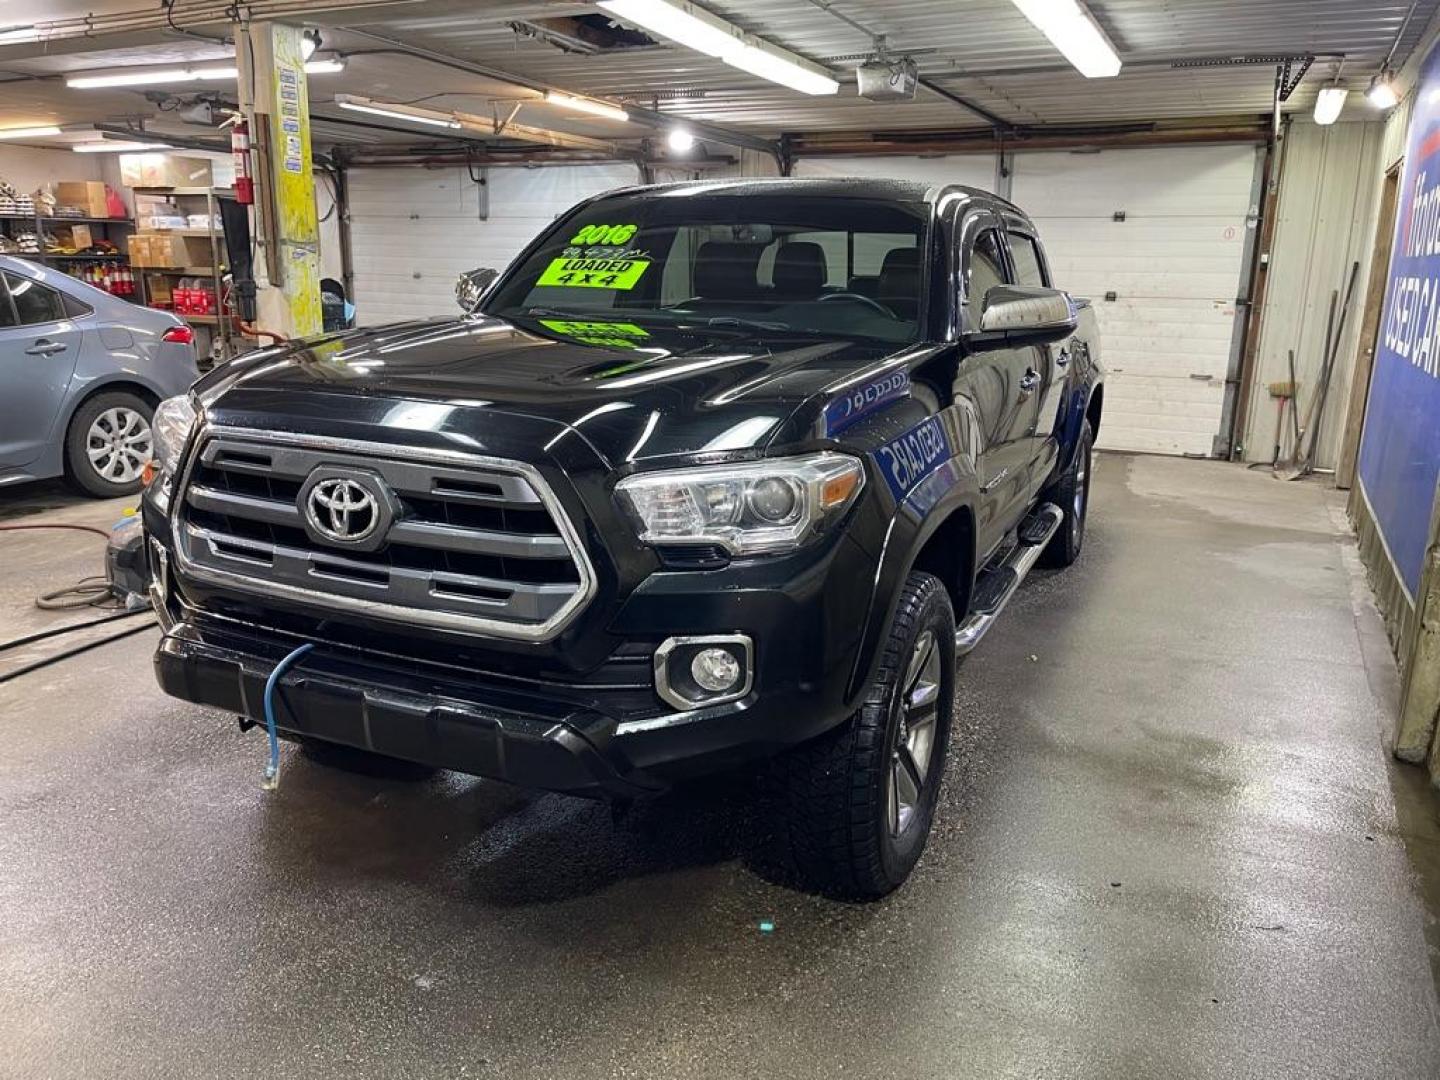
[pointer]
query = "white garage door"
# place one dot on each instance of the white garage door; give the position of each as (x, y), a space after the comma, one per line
(974, 170)
(1173, 264)
(414, 231)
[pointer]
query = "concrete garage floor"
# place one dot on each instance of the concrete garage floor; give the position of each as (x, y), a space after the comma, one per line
(1172, 845)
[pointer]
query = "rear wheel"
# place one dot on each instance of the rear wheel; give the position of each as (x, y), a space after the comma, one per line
(1072, 495)
(856, 805)
(108, 443)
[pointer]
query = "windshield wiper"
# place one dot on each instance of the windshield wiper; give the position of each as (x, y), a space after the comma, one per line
(555, 313)
(745, 324)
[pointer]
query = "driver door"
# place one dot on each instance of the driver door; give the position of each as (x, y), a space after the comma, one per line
(998, 385)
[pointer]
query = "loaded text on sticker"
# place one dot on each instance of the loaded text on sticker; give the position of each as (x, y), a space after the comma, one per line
(620, 274)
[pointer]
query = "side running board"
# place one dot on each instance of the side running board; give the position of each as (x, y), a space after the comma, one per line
(995, 587)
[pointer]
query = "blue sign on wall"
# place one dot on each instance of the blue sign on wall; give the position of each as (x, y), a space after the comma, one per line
(1400, 452)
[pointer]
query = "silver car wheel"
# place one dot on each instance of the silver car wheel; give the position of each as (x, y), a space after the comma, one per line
(119, 443)
(915, 736)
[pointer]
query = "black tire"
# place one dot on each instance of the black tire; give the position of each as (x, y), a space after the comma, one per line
(362, 762)
(80, 471)
(836, 821)
(1072, 495)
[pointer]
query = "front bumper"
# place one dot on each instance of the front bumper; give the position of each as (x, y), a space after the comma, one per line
(530, 734)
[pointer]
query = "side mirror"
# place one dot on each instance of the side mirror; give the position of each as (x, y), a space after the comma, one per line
(472, 286)
(1021, 315)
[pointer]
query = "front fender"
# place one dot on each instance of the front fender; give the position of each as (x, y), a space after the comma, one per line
(951, 486)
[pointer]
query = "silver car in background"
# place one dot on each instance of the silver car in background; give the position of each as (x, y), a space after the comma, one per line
(81, 372)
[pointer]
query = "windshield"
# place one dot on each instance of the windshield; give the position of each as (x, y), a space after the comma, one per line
(829, 266)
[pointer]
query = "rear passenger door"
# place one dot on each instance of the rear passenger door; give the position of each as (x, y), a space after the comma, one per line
(39, 346)
(999, 384)
(1048, 361)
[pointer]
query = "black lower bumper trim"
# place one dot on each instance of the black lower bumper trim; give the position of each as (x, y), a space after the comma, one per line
(319, 698)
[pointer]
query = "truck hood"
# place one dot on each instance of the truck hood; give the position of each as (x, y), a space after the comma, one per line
(633, 393)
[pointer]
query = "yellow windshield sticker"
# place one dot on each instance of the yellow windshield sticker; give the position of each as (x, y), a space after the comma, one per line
(613, 335)
(605, 234)
(621, 274)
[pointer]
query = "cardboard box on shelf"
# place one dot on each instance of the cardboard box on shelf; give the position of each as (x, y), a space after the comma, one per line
(164, 170)
(88, 195)
(77, 237)
(159, 249)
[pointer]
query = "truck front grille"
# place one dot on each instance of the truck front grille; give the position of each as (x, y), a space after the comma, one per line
(436, 538)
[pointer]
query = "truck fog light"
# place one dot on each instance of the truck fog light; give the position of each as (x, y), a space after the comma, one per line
(715, 670)
(704, 670)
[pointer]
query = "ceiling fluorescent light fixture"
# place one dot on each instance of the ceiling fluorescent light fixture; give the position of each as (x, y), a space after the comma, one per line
(695, 28)
(770, 63)
(117, 146)
(681, 22)
(1382, 92)
(1077, 35)
(193, 73)
(397, 112)
(1329, 102)
(586, 105)
(45, 132)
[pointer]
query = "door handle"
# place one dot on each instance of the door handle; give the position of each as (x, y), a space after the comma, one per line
(1029, 381)
(46, 348)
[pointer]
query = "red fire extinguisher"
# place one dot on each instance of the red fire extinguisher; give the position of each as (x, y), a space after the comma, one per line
(240, 148)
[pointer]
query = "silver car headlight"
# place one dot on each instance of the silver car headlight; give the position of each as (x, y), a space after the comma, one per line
(173, 422)
(755, 508)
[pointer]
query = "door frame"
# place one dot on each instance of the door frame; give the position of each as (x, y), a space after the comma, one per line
(1369, 338)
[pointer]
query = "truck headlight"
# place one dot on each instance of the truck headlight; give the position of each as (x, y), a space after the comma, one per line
(752, 508)
(174, 420)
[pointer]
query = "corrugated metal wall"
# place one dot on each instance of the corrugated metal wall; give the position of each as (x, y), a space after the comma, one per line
(1325, 223)
(415, 231)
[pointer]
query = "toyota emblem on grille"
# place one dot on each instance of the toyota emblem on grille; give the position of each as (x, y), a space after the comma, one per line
(342, 510)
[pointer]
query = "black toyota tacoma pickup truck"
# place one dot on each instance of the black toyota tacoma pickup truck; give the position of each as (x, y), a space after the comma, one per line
(714, 472)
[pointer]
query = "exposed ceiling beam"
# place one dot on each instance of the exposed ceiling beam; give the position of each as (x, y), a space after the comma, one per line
(701, 130)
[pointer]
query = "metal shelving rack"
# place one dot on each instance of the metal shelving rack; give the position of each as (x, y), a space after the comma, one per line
(216, 324)
(38, 224)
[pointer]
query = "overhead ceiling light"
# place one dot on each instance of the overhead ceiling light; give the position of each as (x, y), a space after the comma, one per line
(397, 112)
(117, 146)
(191, 73)
(681, 22)
(1382, 92)
(1073, 31)
(148, 76)
(29, 132)
(309, 42)
(695, 28)
(1329, 102)
(586, 105)
(680, 140)
(768, 63)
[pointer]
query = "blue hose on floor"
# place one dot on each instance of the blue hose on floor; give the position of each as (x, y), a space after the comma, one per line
(272, 770)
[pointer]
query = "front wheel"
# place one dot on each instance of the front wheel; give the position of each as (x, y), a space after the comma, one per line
(855, 806)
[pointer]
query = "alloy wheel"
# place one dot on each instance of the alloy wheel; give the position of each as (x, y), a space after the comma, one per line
(119, 443)
(914, 746)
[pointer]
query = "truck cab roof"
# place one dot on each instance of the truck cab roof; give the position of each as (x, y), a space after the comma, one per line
(844, 187)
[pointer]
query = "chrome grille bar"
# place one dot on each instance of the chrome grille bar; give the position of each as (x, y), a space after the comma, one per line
(480, 545)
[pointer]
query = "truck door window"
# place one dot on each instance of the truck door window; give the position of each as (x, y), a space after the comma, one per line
(1029, 266)
(34, 303)
(987, 269)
